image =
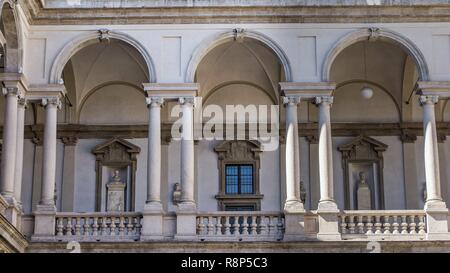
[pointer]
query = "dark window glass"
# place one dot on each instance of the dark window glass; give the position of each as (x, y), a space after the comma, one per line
(239, 179)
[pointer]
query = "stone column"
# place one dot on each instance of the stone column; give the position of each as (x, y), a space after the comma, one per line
(49, 156)
(187, 153)
(46, 210)
(327, 209)
(293, 207)
(22, 104)
(9, 144)
(152, 227)
(437, 212)
(293, 202)
(187, 209)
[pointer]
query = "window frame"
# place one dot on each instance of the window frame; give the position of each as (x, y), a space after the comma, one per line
(248, 156)
(239, 177)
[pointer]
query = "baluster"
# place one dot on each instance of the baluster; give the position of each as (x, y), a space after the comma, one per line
(227, 226)
(219, 225)
(351, 224)
(422, 224)
(387, 225)
(95, 227)
(360, 224)
(404, 225)
(122, 226)
(395, 225)
(245, 225)
(263, 226)
(112, 226)
(369, 225)
(60, 227)
(201, 225)
(254, 226)
(210, 225)
(280, 227)
(69, 226)
(412, 224)
(86, 226)
(137, 225)
(78, 226)
(378, 224)
(236, 226)
(104, 227)
(271, 226)
(130, 226)
(343, 224)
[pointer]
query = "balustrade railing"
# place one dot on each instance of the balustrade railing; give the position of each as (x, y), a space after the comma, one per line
(240, 226)
(391, 224)
(98, 226)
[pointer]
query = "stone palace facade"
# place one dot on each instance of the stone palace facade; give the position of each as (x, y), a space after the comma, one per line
(232, 125)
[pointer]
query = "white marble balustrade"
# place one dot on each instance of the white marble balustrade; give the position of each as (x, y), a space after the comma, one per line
(395, 224)
(248, 226)
(98, 226)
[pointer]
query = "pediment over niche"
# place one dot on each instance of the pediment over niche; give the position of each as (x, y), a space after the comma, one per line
(116, 150)
(363, 147)
(239, 150)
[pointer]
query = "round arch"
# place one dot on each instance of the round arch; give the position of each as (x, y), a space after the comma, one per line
(376, 34)
(379, 86)
(225, 84)
(98, 87)
(13, 36)
(92, 38)
(224, 37)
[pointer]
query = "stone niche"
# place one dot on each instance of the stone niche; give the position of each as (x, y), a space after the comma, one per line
(116, 162)
(362, 161)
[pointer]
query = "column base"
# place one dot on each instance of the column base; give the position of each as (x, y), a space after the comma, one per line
(152, 222)
(186, 222)
(294, 206)
(44, 221)
(437, 220)
(328, 213)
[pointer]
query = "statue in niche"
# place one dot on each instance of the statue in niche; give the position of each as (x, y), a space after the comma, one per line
(116, 194)
(363, 194)
(176, 196)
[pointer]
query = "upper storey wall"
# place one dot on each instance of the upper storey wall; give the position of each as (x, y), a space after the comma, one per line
(172, 47)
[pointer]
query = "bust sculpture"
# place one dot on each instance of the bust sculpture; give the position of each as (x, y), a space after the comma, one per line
(116, 194)
(363, 194)
(176, 196)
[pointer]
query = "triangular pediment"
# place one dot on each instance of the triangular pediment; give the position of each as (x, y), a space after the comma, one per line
(238, 149)
(116, 143)
(364, 140)
(363, 148)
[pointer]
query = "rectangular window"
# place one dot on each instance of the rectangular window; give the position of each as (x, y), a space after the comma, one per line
(239, 179)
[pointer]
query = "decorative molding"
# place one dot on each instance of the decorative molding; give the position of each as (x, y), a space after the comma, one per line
(324, 100)
(431, 99)
(408, 137)
(291, 100)
(69, 141)
(374, 34)
(104, 35)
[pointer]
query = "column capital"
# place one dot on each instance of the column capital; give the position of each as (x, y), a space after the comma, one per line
(22, 102)
(324, 100)
(291, 100)
(429, 99)
(51, 101)
(70, 141)
(154, 101)
(10, 91)
(187, 101)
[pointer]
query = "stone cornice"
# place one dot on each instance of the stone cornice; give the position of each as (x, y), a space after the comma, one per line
(47, 12)
(406, 132)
